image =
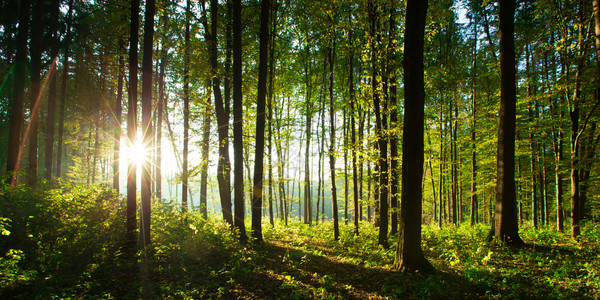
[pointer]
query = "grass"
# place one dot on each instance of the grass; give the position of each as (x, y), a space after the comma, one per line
(68, 242)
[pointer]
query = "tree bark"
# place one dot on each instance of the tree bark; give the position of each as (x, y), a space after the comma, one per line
(117, 120)
(257, 195)
(51, 117)
(505, 226)
(354, 145)
(186, 108)
(380, 132)
(63, 93)
(331, 56)
(222, 112)
(159, 119)
(132, 120)
(36, 67)
(16, 115)
(147, 121)
(238, 145)
(409, 255)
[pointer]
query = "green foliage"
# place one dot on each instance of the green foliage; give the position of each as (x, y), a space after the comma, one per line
(68, 242)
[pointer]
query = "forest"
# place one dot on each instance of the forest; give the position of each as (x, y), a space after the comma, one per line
(299, 149)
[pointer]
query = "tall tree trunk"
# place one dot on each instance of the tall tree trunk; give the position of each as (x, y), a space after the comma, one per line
(205, 155)
(505, 226)
(354, 145)
(51, 117)
(63, 92)
(380, 132)
(270, 109)
(132, 120)
(222, 112)
(36, 92)
(336, 230)
(346, 193)
(117, 121)
(16, 114)
(574, 111)
(409, 255)
(307, 188)
(394, 157)
(474, 203)
(159, 119)
(186, 109)
(147, 121)
(238, 145)
(260, 120)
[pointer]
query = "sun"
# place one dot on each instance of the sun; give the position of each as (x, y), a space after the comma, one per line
(137, 153)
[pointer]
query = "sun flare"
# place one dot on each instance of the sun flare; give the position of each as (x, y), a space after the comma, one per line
(137, 153)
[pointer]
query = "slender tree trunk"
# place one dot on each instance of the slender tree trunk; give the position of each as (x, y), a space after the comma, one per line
(36, 92)
(336, 230)
(205, 155)
(147, 121)
(63, 92)
(409, 255)
(159, 119)
(117, 120)
(238, 145)
(16, 114)
(380, 128)
(51, 117)
(394, 157)
(132, 120)
(307, 186)
(260, 120)
(186, 108)
(222, 112)
(354, 145)
(346, 193)
(270, 109)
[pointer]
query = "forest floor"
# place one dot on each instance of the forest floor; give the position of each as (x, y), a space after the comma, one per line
(67, 243)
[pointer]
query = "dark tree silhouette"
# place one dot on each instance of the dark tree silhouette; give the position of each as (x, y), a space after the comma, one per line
(409, 255)
(505, 226)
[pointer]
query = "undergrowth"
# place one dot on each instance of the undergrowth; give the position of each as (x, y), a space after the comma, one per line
(68, 242)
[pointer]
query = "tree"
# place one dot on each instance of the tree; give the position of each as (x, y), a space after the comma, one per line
(505, 226)
(222, 112)
(238, 145)
(380, 130)
(35, 50)
(186, 109)
(132, 120)
(147, 133)
(331, 60)
(63, 92)
(409, 255)
(257, 194)
(16, 114)
(117, 120)
(51, 118)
